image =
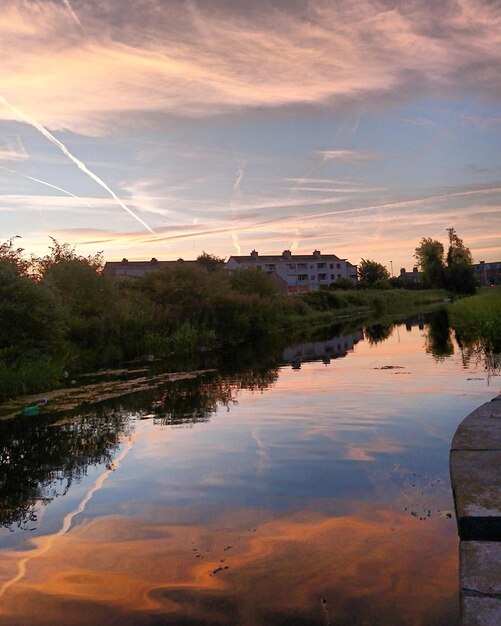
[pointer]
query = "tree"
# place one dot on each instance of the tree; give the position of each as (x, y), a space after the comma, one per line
(455, 272)
(430, 258)
(14, 256)
(370, 272)
(31, 320)
(252, 281)
(211, 262)
(64, 252)
(459, 275)
(458, 252)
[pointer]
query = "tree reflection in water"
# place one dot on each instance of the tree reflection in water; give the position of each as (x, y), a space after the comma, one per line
(40, 457)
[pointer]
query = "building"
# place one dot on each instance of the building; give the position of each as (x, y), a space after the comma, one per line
(411, 277)
(488, 273)
(136, 269)
(298, 272)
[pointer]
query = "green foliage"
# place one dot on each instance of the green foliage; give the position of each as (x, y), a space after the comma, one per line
(430, 258)
(455, 272)
(29, 375)
(31, 320)
(479, 317)
(211, 262)
(371, 272)
(64, 252)
(252, 281)
(323, 300)
(343, 283)
(9, 254)
(60, 312)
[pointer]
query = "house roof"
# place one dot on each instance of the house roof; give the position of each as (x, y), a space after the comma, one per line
(293, 258)
(111, 266)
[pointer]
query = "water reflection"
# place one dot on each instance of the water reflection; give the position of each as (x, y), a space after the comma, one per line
(41, 458)
(332, 348)
(278, 498)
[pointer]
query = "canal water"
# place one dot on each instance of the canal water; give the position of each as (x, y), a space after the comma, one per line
(313, 491)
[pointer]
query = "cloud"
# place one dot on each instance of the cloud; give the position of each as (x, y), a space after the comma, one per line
(153, 57)
(348, 156)
(12, 155)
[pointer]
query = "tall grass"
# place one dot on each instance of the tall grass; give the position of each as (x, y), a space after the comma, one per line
(479, 318)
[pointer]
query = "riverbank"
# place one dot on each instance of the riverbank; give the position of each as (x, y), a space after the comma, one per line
(76, 320)
(479, 316)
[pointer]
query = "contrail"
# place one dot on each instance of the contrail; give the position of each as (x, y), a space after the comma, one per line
(81, 166)
(67, 521)
(236, 196)
(74, 15)
(43, 182)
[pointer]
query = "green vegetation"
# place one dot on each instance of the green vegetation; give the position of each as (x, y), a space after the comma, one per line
(371, 272)
(478, 318)
(60, 313)
(454, 271)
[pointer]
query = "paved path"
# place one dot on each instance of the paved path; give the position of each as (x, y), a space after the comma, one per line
(475, 467)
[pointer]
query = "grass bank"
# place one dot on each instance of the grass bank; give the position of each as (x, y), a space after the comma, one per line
(479, 318)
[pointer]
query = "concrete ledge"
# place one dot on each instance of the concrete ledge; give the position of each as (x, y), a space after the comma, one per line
(475, 468)
(480, 612)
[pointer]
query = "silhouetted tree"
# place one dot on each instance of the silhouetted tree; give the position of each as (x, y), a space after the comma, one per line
(430, 258)
(370, 272)
(211, 262)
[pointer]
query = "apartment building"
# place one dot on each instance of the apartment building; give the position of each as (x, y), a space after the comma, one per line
(298, 272)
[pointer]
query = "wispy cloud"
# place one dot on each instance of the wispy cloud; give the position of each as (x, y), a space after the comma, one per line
(330, 54)
(348, 156)
(12, 155)
(81, 166)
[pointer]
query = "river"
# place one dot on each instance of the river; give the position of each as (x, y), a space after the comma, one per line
(311, 491)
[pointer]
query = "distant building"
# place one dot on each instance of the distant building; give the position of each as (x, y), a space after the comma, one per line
(411, 277)
(298, 273)
(488, 273)
(136, 269)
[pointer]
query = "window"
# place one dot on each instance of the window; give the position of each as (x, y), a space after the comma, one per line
(322, 277)
(321, 266)
(302, 277)
(333, 276)
(339, 275)
(331, 266)
(269, 267)
(312, 267)
(312, 277)
(338, 265)
(291, 267)
(302, 266)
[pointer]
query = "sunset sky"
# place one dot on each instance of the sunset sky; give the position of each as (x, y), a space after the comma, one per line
(168, 127)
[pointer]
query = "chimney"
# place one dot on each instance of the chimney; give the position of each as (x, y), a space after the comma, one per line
(316, 253)
(415, 269)
(153, 261)
(402, 271)
(254, 254)
(286, 254)
(125, 260)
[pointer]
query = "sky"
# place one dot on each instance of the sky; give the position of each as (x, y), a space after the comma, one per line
(164, 128)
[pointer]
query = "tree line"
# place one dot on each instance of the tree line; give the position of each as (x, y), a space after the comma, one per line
(59, 312)
(439, 270)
